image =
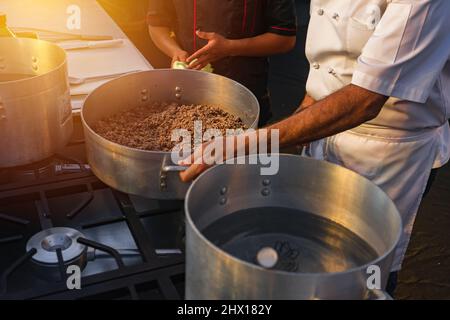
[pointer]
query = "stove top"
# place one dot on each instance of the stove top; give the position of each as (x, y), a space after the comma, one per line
(56, 214)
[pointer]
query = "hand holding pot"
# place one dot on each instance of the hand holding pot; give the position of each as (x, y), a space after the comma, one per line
(197, 162)
(218, 151)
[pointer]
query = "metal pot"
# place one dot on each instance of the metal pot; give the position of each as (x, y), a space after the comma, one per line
(312, 199)
(35, 110)
(152, 174)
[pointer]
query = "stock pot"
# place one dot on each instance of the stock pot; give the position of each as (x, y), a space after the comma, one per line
(312, 231)
(35, 110)
(152, 174)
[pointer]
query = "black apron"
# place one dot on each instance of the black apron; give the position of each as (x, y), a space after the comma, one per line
(233, 19)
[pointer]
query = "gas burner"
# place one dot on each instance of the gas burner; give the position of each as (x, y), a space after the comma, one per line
(57, 248)
(127, 249)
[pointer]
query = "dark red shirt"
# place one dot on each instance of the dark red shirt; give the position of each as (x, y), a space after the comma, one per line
(233, 19)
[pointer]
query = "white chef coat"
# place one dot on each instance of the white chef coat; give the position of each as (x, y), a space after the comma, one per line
(401, 49)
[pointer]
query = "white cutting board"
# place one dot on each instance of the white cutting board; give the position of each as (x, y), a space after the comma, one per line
(98, 62)
(52, 15)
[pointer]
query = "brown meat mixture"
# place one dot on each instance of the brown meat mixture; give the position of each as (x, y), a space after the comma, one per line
(150, 127)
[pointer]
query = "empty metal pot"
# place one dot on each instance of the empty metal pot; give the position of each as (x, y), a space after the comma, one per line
(35, 110)
(300, 249)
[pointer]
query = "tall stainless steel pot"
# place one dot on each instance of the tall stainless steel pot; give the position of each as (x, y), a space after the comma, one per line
(150, 173)
(302, 184)
(35, 110)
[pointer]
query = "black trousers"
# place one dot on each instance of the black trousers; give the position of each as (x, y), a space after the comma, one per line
(393, 277)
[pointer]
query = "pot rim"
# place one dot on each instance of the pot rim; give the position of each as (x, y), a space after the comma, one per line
(255, 267)
(36, 76)
(121, 149)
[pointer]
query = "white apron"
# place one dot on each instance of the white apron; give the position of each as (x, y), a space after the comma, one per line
(400, 166)
(399, 49)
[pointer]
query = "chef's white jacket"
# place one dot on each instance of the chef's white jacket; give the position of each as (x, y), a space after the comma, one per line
(401, 49)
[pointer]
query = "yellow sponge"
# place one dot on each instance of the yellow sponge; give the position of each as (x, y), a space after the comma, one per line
(183, 65)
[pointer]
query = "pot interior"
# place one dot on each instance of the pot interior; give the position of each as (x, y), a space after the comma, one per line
(289, 240)
(179, 86)
(312, 217)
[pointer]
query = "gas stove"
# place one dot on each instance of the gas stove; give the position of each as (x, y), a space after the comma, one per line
(55, 215)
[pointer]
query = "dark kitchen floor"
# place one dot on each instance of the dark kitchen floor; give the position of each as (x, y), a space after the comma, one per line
(426, 271)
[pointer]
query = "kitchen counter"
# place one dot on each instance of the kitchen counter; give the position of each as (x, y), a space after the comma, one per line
(53, 15)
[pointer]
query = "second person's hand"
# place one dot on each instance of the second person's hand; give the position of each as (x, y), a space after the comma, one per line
(218, 47)
(180, 56)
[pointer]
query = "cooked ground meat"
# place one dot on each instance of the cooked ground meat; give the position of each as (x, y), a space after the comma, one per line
(150, 127)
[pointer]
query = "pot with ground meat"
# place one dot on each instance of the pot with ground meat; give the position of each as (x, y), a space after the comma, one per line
(128, 124)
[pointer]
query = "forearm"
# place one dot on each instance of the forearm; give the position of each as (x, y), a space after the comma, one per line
(307, 102)
(261, 46)
(161, 36)
(341, 111)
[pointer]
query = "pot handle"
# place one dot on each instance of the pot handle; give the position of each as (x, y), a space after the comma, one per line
(380, 295)
(173, 168)
(166, 168)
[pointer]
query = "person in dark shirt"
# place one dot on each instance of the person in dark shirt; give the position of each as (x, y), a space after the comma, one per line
(235, 36)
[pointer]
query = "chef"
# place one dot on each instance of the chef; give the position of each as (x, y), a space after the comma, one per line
(379, 93)
(236, 36)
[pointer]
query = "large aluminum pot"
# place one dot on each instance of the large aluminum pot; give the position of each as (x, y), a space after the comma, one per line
(35, 110)
(152, 174)
(302, 185)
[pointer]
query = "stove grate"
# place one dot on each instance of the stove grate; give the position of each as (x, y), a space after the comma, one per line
(13, 219)
(115, 254)
(5, 275)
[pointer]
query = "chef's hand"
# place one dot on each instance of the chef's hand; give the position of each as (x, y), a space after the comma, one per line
(216, 151)
(218, 47)
(196, 164)
(180, 55)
